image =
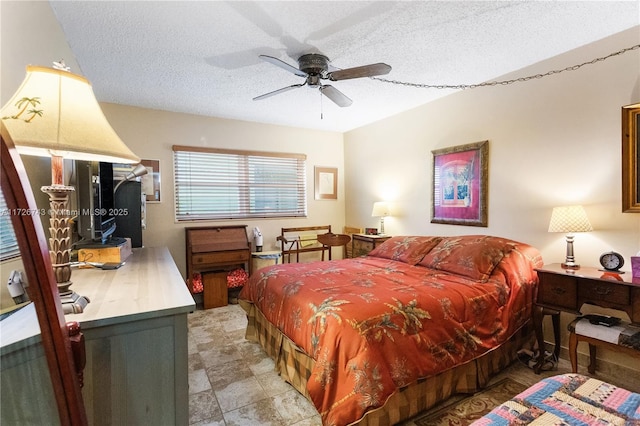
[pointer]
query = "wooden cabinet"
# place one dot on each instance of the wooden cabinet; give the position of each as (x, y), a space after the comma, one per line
(212, 251)
(362, 244)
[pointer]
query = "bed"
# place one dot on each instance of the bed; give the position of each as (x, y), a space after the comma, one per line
(568, 399)
(377, 339)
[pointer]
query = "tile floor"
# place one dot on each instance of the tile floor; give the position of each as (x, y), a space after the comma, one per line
(232, 381)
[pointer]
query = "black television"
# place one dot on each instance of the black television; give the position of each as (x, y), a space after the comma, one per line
(96, 219)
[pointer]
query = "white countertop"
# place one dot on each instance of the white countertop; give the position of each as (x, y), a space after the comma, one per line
(148, 285)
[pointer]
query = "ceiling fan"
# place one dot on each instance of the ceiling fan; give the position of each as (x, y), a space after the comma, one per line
(315, 67)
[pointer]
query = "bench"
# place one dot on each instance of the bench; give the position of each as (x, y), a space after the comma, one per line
(624, 338)
(302, 239)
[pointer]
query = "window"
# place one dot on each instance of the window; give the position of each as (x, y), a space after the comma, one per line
(8, 243)
(231, 184)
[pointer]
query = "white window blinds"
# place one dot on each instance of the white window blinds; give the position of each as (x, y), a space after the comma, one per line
(231, 184)
(8, 243)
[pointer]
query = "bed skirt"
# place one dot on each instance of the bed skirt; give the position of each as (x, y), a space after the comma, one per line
(295, 367)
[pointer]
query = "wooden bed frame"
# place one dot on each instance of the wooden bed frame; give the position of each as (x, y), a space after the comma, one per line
(295, 368)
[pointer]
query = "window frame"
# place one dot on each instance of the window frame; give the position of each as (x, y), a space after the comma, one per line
(284, 194)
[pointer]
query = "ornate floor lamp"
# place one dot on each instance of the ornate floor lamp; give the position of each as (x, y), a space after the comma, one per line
(54, 113)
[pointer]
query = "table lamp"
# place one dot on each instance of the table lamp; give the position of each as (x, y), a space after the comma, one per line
(569, 219)
(54, 113)
(380, 209)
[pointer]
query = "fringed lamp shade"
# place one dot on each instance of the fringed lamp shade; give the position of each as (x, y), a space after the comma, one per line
(54, 112)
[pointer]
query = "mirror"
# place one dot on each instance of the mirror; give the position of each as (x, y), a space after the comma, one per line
(630, 158)
(23, 389)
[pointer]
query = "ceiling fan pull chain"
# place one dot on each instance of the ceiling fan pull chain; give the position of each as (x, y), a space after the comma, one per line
(321, 104)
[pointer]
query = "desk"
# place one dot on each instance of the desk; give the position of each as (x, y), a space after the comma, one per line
(215, 249)
(566, 290)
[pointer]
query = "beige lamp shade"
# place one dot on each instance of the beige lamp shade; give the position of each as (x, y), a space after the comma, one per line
(54, 112)
(569, 219)
(380, 209)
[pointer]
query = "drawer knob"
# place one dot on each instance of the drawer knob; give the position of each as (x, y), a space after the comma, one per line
(559, 290)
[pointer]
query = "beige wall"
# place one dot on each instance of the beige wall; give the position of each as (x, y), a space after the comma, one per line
(151, 134)
(552, 141)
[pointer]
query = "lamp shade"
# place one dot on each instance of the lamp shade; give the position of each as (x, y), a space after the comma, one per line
(569, 219)
(54, 112)
(380, 209)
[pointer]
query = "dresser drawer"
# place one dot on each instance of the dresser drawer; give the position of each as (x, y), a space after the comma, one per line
(220, 257)
(361, 248)
(604, 292)
(557, 291)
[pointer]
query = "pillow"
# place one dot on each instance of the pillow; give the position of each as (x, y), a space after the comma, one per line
(472, 256)
(405, 249)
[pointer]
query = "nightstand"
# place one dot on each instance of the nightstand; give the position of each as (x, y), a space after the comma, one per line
(566, 290)
(362, 244)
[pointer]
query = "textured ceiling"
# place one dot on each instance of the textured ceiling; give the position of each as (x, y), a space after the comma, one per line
(201, 57)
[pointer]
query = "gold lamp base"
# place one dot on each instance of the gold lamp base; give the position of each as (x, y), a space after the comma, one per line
(60, 247)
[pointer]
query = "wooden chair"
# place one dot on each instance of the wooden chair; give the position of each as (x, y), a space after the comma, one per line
(333, 240)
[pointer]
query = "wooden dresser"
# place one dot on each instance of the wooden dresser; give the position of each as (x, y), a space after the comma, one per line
(135, 331)
(217, 249)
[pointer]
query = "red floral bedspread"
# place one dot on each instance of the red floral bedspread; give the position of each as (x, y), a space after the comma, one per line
(374, 324)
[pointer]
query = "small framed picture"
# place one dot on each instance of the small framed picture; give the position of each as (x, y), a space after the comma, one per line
(326, 183)
(371, 231)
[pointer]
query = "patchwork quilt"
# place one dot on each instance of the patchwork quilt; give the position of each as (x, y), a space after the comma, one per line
(568, 399)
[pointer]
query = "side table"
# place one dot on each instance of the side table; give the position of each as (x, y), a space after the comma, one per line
(567, 290)
(261, 259)
(362, 244)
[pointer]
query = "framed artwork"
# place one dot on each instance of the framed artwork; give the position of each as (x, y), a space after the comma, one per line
(631, 159)
(459, 195)
(326, 183)
(151, 181)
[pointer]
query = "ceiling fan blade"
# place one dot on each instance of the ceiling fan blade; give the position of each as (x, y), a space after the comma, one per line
(275, 92)
(335, 95)
(357, 72)
(285, 66)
